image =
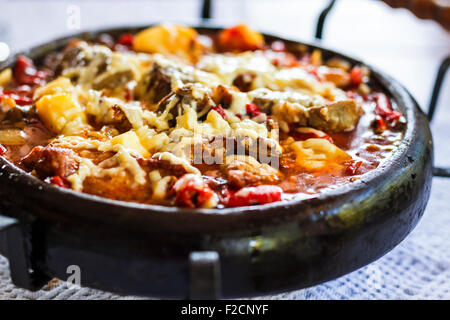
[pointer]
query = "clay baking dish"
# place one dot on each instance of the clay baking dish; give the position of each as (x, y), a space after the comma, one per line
(168, 252)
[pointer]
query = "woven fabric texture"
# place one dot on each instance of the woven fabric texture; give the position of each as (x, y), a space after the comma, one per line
(419, 268)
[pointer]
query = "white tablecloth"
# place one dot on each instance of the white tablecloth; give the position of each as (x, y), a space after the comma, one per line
(419, 268)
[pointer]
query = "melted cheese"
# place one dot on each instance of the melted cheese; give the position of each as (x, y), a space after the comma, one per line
(318, 154)
(85, 169)
(129, 162)
(182, 74)
(160, 187)
(184, 121)
(128, 141)
(229, 66)
(171, 158)
(104, 64)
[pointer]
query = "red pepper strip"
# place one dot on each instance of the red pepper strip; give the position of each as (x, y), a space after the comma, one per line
(23, 90)
(219, 110)
(26, 73)
(353, 167)
(126, 39)
(252, 110)
(192, 195)
(384, 108)
(59, 181)
(356, 76)
(255, 195)
(2, 150)
(20, 100)
(380, 124)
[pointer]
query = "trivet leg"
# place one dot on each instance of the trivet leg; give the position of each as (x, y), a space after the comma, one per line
(322, 19)
(437, 87)
(204, 275)
(206, 9)
(12, 246)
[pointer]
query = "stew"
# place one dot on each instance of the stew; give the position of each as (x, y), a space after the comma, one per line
(172, 117)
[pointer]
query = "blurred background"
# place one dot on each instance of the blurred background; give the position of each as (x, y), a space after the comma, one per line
(394, 40)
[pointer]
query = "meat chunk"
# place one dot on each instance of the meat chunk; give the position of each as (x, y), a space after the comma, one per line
(304, 110)
(186, 95)
(165, 167)
(119, 119)
(155, 85)
(112, 80)
(331, 117)
(243, 171)
(70, 57)
(118, 188)
(337, 76)
(335, 117)
(244, 81)
(51, 161)
(263, 150)
(297, 108)
(166, 76)
(223, 95)
(95, 65)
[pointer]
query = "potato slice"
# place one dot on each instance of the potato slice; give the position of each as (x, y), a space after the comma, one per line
(58, 85)
(318, 154)
(12, 137)
(5, 77)
(239, 38)
(58, 110)
(176, 40)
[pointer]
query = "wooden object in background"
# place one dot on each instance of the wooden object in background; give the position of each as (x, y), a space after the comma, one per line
(438, 10)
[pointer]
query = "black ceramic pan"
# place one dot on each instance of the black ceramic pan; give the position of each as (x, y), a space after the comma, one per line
(167, 252)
